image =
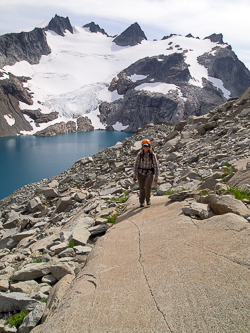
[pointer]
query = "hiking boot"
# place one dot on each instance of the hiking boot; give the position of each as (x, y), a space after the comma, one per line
(142, 205)
(149, 203)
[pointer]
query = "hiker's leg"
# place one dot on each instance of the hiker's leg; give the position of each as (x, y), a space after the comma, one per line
(141, 181)
(148, 186)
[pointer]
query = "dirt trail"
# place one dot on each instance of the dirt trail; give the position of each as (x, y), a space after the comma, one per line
(158, 270)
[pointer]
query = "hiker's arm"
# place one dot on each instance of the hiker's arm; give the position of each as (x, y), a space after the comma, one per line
(136, 166)
(156, 169)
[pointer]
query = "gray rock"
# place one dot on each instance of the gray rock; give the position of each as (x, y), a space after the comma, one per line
(91, 207)
(32, 271)
(27, 287)
(49, 279)
(4, 284)
(48, 192)
(69, 252)
(209, 183)
(228, 221)
(12, 220)
(24, 234)
(80, 236)
(86, 160)
(225, 204)
(60, 269)
(111, 190)
(63, 204)
(99, 229)
(10, 302)
(79, 249)
(199, 209)
(7, 236)
(32, 319)
(59, 248)
(162, 189)
(35, 205)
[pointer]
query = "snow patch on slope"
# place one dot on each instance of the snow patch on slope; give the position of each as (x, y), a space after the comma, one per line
(10, 120)
(74, 78)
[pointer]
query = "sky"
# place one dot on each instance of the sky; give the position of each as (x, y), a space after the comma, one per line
(157, 18)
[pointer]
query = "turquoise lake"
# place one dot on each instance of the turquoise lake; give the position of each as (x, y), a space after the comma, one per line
(28, 159)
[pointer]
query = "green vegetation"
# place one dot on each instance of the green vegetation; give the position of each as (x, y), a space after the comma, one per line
(111, 219)
(17, 319)
(37, 260)
(229, 170)
(226, 164)
(121, 199)
(72, 243)
(238, 194)
(172, 191)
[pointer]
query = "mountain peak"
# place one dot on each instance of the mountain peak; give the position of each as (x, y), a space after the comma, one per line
(216, 38)
(133, 35)
(95, 28)
(59, 24)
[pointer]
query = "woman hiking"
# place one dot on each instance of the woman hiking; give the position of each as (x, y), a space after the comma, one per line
(145, 170)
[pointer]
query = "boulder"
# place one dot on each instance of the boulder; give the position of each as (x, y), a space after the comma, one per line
(59, 247)
(163, 188)
(32, 271)
(4, 284)
(228, 221)
(56, 294)
(32, 319)
(27, 287)
(63, 204)
(225, 204)
(48, 192)
(198, 209)
(24, 234)
(12, 220)
(79, 249)
(35, 205)
(10, 302)
(60, 269)
(80, 236)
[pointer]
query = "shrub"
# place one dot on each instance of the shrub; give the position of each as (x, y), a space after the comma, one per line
(17, 319)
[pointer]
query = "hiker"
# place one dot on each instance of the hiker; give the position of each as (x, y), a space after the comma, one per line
(146, 170)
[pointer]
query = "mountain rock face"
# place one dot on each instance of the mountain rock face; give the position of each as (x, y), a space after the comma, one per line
(164, 87)
(133, 35)
(225, 66)
(59, 24)
(95, 28)
(216, 38)
(138, 107)
(198, 159)
(28, 46)
(12, 120)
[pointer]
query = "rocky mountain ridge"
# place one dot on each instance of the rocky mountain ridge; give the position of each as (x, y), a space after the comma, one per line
(48, 228)
(139, 104)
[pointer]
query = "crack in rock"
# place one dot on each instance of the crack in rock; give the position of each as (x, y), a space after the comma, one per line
(146, 279)
(234, 260)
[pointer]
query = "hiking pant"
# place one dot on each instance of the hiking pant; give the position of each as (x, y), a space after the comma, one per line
(145, 185)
